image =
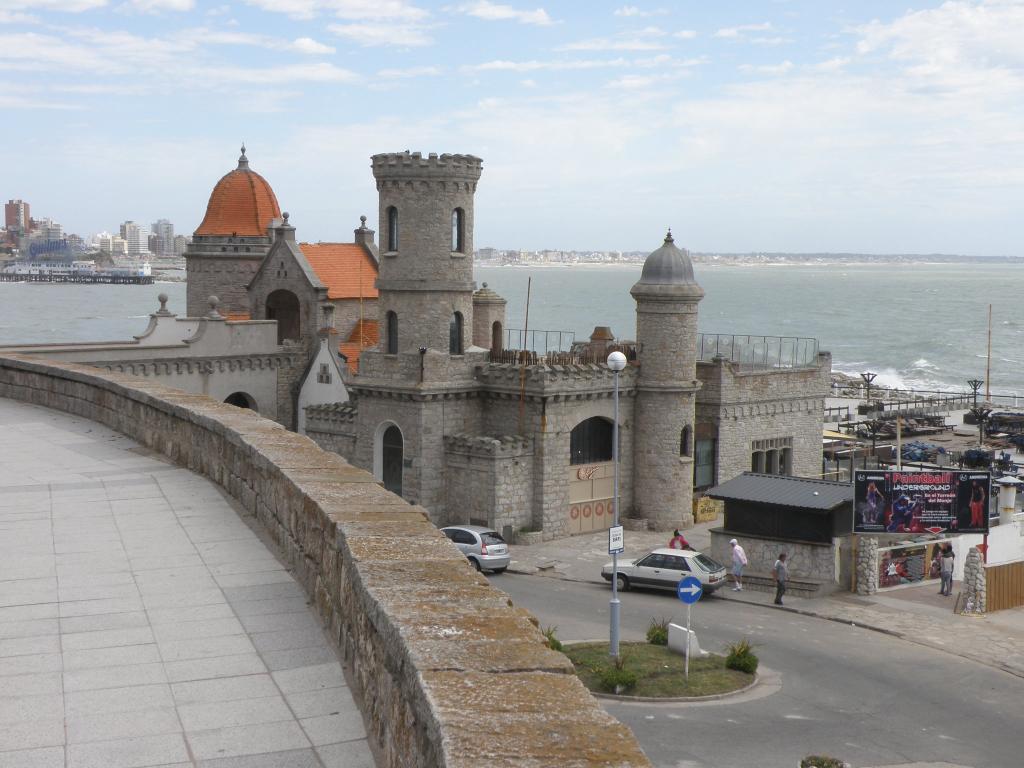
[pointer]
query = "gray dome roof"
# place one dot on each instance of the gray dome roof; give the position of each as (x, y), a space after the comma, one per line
(668, 266)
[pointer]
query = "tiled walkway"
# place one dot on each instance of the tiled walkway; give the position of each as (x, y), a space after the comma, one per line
(142, 623)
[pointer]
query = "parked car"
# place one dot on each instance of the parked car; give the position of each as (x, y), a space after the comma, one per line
(485, 548)
(663, 569)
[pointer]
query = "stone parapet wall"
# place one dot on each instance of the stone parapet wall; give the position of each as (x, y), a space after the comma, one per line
(438, 657)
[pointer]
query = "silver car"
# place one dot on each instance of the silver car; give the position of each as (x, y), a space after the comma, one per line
(485, 548)
(664, 568)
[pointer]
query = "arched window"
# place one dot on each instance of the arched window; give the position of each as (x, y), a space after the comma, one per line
(392, 228)
(684, 441)
(283, 306)
(455, 334)
(496, 341)
(591, 441)
(459, 230)
(392, 337)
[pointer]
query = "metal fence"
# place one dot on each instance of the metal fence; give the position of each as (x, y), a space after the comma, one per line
(756, 352)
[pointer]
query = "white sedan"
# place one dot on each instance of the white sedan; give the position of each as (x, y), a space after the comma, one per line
(664, 568)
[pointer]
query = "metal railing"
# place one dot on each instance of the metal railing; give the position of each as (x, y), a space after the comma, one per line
(529, 357)
(759, 352)
(539, 341)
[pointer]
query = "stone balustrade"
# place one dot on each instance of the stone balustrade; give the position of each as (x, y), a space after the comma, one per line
(449, 672)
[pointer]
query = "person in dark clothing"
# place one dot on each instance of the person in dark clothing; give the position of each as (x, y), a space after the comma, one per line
(781, 574)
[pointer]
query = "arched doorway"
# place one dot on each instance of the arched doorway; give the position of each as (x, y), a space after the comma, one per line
(591, 476)
(391, 455)
(241, 400)
(283, 306)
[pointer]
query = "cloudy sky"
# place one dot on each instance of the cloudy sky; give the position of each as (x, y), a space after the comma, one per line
(805, 125)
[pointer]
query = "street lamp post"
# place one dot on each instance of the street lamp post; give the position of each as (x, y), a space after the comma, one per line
(975, 385)
(868, 378)
(874, 427)
(616, 363)
(980, 414)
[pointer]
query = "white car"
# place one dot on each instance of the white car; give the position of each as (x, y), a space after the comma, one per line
(664, 568)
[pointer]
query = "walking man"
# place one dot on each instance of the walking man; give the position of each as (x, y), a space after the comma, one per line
(946, 570)
(739, 559)
(781, 574)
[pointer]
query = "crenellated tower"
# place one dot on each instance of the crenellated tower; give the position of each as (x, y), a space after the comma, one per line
(426, 250)
(667, 296)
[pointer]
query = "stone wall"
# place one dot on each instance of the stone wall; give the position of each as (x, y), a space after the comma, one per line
(806, 560)
(867, 565)
(764, 405)
(449, 672)
(489, 481)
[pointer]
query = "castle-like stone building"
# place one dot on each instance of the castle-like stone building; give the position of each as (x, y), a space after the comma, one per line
(390, 355)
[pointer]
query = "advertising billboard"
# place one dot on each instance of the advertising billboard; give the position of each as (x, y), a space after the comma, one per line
(918, 501)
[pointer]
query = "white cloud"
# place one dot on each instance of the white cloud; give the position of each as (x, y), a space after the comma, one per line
(685, 34)
(742, 30)
(641, 40)
(310, 46)
(409, 72)
(62, 6)
(833, 65)
(156, 6)
(14, 17)
(534, 65)
(352, 10)
(768, 69)
(777, 40)
(311, 73)
(484, 9)
(632, 11)
(374, 34)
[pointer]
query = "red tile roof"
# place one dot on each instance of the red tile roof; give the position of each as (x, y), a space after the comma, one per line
(365, 335)
(241, 204)
(238, 316)
(342, 267)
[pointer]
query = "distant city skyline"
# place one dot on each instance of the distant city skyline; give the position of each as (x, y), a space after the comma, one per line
(799, 125)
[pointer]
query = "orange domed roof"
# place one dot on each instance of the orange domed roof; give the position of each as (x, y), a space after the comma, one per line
(241, 204)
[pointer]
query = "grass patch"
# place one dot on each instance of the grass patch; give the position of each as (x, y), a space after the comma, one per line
(659, 672)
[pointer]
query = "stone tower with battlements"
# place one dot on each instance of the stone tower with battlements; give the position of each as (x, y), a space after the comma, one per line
(426, 250)
(667, 296)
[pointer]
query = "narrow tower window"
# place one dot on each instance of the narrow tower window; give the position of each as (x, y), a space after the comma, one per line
(459, 230)
(684, 441)
(392, 228)
(392, 338)
(455, 334)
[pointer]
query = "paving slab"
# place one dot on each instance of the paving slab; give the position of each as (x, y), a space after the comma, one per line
(143, 623)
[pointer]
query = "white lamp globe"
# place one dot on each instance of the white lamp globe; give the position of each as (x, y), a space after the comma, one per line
(616, 361)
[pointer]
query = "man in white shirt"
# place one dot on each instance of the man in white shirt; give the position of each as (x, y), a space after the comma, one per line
(739, 559)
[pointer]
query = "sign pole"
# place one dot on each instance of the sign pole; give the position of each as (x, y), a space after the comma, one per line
(687, 667)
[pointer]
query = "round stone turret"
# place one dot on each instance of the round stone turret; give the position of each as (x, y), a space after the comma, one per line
(426, 246)
(667, 295)
(488, 319)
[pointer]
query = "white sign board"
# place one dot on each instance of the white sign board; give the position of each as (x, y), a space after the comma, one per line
(616, 542)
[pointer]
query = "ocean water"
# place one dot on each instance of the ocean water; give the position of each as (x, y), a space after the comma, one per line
(918, 326)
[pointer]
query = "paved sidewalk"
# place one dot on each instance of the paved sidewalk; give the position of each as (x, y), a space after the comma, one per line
(143, 623)
(908, 613)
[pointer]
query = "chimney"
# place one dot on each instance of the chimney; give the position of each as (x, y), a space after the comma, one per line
(364, 235)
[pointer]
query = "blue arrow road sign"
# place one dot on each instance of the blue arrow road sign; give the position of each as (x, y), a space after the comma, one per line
(689, 589)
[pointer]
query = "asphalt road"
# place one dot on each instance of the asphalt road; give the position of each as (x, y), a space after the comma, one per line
(852, 693)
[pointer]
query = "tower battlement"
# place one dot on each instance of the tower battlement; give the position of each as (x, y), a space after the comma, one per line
(413, 165)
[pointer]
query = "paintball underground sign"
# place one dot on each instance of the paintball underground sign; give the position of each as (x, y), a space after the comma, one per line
(896, 501)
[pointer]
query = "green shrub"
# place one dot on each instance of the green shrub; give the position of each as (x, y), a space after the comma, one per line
(741, 657)
(657, 633)
(821, 761)
(553, 642)
(616, 679)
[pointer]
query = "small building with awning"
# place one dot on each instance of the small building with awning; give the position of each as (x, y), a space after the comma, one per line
(809, 519)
